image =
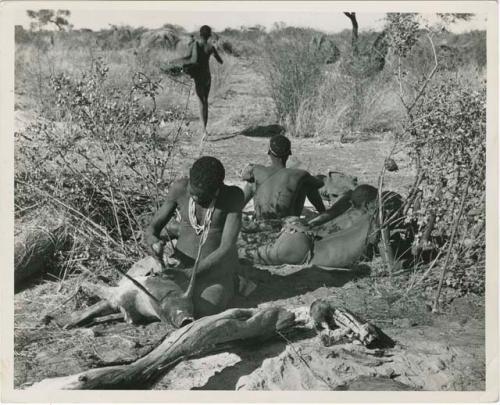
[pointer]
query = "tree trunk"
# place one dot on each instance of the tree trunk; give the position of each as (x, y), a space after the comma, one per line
(354, 22)
(201, 337)
(430, 224)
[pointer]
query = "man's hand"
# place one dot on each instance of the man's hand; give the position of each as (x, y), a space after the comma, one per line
(155, 246)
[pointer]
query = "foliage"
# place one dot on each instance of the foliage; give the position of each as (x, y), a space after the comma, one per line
(103, 155)
(403, 32)
(444, 131)
(42, 18)
(361, 63)
(450, 18)
(292, 68)
(449, 142)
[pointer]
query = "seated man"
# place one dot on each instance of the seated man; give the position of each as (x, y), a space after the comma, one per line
(278, 191)
(337, 243)
(203, 200)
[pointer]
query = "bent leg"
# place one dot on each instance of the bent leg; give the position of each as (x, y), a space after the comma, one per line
(289, 248)
(214, 298)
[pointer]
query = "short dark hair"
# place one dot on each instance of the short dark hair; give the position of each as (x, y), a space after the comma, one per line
(205, 31)
(280, 146)
(363, 194)
(207, 173)
(392, 201)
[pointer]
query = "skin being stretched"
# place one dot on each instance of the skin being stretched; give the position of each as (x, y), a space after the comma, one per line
(278, 191)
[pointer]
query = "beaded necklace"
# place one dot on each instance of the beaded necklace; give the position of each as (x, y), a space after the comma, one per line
(199, 229)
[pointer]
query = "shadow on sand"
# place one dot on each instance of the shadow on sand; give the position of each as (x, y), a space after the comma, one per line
(272, 287)
(258, 131)
(252, 354)
(263, 131)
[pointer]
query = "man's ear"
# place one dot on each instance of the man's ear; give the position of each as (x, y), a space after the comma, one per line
(370, 205)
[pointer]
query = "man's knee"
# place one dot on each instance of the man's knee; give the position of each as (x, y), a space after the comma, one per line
(290, 248)
(294, 248)
(212, 300)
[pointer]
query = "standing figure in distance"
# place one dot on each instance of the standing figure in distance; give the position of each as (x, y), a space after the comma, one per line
(198, 68)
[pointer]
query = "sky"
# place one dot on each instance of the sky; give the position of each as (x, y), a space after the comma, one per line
(220, 16)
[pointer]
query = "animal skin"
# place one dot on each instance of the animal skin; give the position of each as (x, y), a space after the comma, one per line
(171, 304)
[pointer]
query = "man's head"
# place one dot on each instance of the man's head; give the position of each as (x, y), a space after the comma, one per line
(392, 202)
(206, 176)
(205, 32)
(280, 147)
(364, 196)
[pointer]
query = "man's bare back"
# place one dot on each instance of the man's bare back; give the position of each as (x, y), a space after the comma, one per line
(278, 191)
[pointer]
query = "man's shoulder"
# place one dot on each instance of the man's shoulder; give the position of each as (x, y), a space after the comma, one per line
(233, 197)
(177, 188)
(254, 166)
(249, 170)
(233, 191)
(297, 172)
(263, 169)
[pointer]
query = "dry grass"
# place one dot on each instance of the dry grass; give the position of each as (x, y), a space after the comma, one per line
(222, 75)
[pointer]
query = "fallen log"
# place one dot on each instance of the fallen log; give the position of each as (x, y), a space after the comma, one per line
(333, 324)
(199, 338)
(35, 251)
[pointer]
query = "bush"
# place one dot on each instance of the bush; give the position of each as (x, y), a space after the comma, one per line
(103, 156)
(293, 70)
(449, 142)
(444, 131)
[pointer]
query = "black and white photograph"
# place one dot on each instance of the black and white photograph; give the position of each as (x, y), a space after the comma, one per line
(252, 196)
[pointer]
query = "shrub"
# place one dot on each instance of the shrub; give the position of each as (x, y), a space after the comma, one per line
(293, 71)
(103, 156)
(449, 143)
(444, 131)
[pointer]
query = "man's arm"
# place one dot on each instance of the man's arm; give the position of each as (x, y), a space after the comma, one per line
(229, 237)
(313, 184)
(160, 219)
(249, 189)
(248, 193)
(337, 209)
(194, 52)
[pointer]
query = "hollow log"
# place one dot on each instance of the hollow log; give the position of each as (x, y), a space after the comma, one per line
(199, 338)
(327, 317)
(35, 251)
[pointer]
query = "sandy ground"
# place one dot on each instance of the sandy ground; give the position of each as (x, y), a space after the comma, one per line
(433, 351)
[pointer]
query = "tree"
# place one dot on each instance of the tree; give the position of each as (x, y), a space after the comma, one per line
(451, 18)
(43, 17)
(444, 131)
(366, 59)
(354, 22)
